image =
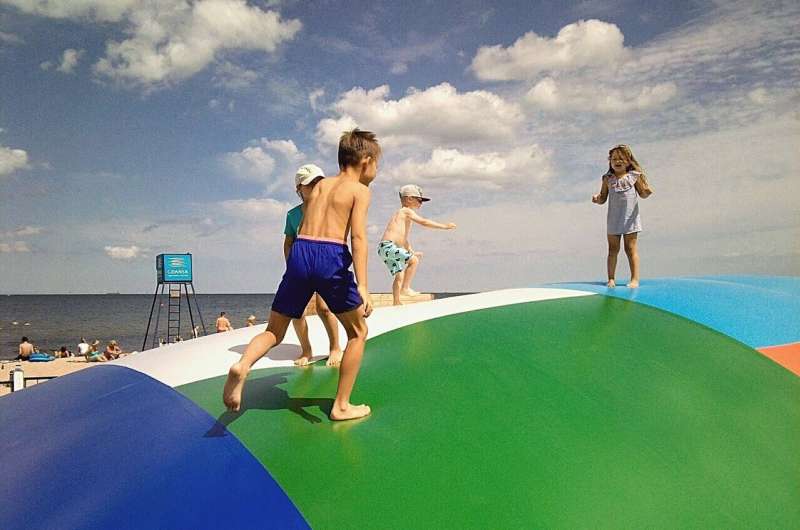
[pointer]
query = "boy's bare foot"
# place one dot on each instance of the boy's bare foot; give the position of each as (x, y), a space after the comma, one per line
(611, 283)
(334, 358)
(232, 393)
(303, 360)
(409, 292)
(633, 284)
(351, 412)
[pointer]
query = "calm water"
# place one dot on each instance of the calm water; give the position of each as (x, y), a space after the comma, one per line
(52, 321)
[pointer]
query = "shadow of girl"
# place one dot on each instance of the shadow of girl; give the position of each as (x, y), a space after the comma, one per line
(264, 394)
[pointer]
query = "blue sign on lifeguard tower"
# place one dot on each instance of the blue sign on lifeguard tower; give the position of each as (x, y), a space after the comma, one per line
(174, 268)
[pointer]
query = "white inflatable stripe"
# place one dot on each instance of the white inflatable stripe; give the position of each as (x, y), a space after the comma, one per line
(205, 357)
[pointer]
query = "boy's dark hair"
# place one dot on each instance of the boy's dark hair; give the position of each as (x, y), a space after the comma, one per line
(24, 339)
(222, 313)
(355, 145)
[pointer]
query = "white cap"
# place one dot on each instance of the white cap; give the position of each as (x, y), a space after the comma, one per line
(412, 190)
(307, 174)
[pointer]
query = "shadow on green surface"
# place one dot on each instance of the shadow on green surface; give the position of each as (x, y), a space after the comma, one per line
(264, 394)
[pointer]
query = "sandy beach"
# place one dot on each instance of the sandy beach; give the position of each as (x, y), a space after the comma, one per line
(55, 368)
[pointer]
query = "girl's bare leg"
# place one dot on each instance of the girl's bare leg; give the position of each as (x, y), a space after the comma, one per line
(258, 347)
(632, 250)
(611, 261)
(301, 328)
(332, 329)
(408, 275)
(356, 327)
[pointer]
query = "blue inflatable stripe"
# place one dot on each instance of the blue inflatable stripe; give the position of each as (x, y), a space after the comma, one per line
(109, 447)
(756, 310)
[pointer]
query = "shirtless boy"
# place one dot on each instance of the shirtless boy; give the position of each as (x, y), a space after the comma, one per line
(319, 261)
(395, 249)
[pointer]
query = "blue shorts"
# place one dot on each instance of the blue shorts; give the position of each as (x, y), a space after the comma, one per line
(321, 267)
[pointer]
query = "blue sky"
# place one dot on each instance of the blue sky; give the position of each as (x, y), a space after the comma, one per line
(131, 128)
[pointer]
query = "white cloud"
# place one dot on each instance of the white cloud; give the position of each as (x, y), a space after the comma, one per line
(123, 253)
(265, 161)
(173, 41)
(170, 40)
(760, 96)
(12, 160)
(10, 38)
(314, 97)
(69, 60)
(598, 97)
(584, 43)
(439, 115)
(234, 77)
(519, 167)
(264, 210)
(100, 10)
(14, 247)
(23, 231)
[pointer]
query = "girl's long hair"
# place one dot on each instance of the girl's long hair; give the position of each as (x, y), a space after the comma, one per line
(633, 164)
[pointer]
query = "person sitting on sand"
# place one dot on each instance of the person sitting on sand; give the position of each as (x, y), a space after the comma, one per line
(25, 349)
(251, 321)
(83, 347)
(63, 353)
(223, 324)
(113, 351)
(395, 249)
(94, 356)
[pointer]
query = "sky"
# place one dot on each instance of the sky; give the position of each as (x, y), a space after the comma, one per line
(131, 128)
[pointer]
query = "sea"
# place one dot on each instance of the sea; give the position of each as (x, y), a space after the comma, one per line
(52, 321)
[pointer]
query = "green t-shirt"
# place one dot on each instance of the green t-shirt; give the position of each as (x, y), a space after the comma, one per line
(293, 219)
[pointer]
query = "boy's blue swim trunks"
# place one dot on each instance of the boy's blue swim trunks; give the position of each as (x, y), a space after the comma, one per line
(317, 266)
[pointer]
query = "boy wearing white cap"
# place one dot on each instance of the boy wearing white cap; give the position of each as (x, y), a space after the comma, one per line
(304, 180)
(395, 249)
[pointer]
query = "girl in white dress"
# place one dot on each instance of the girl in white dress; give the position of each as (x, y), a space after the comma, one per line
(624, 180)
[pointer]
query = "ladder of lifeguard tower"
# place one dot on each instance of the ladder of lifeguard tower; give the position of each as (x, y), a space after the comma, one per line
(174, 312)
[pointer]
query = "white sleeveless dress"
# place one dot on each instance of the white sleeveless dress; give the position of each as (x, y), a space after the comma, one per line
(623, 204)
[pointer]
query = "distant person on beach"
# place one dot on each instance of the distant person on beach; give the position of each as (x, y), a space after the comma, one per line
(113, 351)
(94, 356)
(63, 353)
(304, 180)
(251, 321)
(25, 349)
(624, 180)
(395, 248)
(223, 324)
(83, 347)
(320, 261)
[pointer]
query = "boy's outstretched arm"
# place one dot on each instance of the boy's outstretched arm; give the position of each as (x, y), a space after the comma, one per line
(429, 223)
(601, 197)
(358, 241)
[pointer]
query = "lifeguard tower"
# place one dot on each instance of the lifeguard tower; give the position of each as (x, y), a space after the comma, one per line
(174, 276)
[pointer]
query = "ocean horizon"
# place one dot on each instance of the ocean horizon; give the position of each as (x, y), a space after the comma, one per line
(54, 320)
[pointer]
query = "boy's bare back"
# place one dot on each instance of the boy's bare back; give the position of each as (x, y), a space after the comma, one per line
(330, 206)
